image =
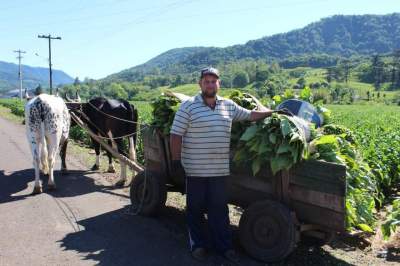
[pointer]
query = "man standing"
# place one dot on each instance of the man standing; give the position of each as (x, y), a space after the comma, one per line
(200, 140)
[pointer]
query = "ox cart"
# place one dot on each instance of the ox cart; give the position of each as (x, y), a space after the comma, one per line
(278, 209)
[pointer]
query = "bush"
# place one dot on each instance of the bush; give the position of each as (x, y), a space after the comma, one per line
(322, 95)
(78, 134)
(240, 80)
(15, 105)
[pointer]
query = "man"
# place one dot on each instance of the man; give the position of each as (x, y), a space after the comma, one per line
(200, 140)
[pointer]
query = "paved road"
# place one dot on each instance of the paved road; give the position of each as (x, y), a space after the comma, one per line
(84, 222)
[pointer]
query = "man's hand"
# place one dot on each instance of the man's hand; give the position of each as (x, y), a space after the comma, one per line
(177, 169)
(258, 115)
(284, 112)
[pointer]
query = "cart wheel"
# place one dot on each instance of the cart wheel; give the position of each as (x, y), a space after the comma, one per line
(267, 231)
(155, 194)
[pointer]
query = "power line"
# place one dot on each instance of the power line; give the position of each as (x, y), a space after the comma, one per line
(136, 21)
(50, 72)
(19, 57)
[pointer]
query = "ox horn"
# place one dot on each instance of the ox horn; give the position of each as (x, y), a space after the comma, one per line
(67, 98)
(77, 97)
(27, 97)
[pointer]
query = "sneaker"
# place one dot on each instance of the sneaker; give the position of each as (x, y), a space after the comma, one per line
(232, 256)
(199, 254)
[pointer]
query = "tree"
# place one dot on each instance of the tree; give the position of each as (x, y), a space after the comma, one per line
(262, 75)
(393, 76)
(301, 82)
(274, 68)
(396, 61)
(116, 91)
(240, 80)
(178, 81)
(271, 88)
(346, 70)
(329, 74)
(377, 66)
(77, 82)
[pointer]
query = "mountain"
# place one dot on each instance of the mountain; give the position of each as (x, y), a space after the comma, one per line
(32, 76)
(336, 36)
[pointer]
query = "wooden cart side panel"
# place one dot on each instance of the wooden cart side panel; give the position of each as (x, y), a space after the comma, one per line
(154, 151)
(318, 173)
(324, 217)
(244, 190)
(317, 198)
(318, 193)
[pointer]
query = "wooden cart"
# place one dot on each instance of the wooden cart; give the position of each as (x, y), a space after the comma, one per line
(278, 209)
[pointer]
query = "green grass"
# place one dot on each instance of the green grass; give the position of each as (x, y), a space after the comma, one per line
(6, 113)
(15, 105)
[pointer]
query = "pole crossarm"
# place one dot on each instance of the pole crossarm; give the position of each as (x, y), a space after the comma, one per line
(49, 37)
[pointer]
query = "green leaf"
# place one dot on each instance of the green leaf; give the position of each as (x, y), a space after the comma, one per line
(249, 133)
(264, 147)
(284, 147)
(365, 228)
(272, 138)
(327, 139)
(256, 165)
(295, 137)
(279, 163)
(285, 127)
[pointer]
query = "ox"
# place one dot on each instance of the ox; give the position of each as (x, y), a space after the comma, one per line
(47, 122)
(111, 119)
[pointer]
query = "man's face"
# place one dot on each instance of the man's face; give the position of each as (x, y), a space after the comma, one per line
(209, 85)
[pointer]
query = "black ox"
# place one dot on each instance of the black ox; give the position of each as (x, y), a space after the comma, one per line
(112, 119)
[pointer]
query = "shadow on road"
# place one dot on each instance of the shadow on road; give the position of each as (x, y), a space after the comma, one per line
(14, 182)
(71, 184)
(117, 238)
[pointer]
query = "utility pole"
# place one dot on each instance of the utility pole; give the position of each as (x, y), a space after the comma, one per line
(19, 57)
(51, 73)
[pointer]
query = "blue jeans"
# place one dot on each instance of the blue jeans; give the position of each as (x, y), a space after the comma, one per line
(208, 195)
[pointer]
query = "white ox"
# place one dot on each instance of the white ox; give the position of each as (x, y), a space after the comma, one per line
(47, 123)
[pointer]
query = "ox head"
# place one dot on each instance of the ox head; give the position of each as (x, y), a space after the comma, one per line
(76, 100)
(73, 105)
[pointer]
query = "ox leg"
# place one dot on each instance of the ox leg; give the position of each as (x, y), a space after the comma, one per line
(111, 168)
(96, 146)
(35, 147)
(122, 178)
(53, 142)
(63, 153)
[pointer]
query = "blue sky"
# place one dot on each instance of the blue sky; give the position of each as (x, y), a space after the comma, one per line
(106, 36)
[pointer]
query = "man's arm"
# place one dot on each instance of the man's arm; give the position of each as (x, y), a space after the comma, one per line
(257, 115)
(176, 146)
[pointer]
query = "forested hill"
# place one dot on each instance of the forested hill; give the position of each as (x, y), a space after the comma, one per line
(32, 76)
(336, 36)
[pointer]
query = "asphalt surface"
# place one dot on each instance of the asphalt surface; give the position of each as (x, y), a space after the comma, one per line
(84, 222)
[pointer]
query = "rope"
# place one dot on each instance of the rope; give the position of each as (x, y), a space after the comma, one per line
(114, 117)
(144, 126)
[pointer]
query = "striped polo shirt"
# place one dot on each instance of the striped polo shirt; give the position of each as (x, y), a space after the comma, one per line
(206, 134)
